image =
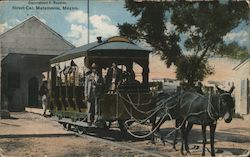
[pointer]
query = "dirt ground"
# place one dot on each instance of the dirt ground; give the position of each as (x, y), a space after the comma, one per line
(230, 139)
(31, 135)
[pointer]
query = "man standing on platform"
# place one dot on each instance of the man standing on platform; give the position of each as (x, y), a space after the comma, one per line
(93, 91)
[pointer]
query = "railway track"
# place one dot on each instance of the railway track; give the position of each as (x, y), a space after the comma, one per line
(121, 145)
(114, 138)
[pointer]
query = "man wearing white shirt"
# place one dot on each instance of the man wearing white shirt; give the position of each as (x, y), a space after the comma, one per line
(92, 92)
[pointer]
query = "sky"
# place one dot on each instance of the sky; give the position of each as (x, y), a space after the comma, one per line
(104, 17)
(71, 24)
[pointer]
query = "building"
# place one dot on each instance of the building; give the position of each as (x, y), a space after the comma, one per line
(242, 87)
(168, 84)
(25, 53)
(225, 85)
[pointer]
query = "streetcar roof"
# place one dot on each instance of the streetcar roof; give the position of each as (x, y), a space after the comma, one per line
(119, 44)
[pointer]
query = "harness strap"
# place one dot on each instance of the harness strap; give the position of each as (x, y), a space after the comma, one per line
(213, 114)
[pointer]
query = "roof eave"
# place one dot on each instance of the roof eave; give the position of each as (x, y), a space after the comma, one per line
(241, 63)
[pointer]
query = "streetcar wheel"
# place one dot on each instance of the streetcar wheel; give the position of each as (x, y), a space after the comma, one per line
(81, 130)
(122, 126)
(108, 125)
(68, 127)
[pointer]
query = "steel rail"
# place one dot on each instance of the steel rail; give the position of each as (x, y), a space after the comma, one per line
(121, 145)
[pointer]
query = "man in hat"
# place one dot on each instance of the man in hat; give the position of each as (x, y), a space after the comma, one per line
(93, 91)
(113, 77)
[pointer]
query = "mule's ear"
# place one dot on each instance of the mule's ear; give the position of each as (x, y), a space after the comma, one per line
(231, 90)
(220, 90)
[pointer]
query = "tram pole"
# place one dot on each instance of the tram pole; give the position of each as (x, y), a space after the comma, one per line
(88, 18)
(1, 80)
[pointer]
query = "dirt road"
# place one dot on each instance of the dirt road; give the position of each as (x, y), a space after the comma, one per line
(31, 135)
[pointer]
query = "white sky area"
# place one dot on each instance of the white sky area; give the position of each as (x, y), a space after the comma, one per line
(101, 26)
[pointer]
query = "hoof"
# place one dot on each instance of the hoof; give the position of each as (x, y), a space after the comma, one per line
(212, 153)
(182, 153)
(175, 148)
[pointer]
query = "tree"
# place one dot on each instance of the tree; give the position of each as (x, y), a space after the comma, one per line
(199, 25)
(234, 51)
(191, 69)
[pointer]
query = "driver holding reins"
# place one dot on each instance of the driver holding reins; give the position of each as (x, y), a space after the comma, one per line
(113, 77)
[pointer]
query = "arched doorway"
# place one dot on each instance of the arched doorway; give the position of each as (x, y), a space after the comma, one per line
(33, 92)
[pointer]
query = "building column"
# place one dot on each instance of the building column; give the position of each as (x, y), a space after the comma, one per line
(145, 71)
(145, 76)
(4, 113)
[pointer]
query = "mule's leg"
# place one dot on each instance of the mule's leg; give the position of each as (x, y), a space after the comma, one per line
(154, 124)
(152, 121)
(204, 139)
(175, 139)
(188, 129)
(212, 132)
(161, 136)
(183, 128)
(177, 124)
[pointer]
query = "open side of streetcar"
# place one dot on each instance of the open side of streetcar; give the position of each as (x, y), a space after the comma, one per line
(131, 99)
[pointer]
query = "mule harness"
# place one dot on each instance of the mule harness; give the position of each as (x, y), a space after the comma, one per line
(210, 109)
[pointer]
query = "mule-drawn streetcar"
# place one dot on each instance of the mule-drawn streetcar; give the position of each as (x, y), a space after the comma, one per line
(129, 99)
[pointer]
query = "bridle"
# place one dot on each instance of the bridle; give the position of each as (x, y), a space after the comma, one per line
(212, 112)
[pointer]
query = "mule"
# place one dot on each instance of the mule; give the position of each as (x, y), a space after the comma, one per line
(204, 111)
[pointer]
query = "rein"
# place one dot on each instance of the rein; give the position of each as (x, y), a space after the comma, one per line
(214, 113)
(161, 105)
(211, 109)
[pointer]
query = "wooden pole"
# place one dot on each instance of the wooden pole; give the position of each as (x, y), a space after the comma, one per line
(88, 18)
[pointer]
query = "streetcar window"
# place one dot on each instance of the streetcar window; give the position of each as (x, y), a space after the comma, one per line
(138, 72)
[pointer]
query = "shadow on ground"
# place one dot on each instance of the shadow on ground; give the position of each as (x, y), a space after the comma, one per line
(196, 136)
(114, 135)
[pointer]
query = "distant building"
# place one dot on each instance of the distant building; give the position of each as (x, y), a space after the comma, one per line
(168, 84)
(225, 85)
(25, 53)
(242, 87)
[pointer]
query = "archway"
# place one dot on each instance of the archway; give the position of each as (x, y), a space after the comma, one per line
(33, 92)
